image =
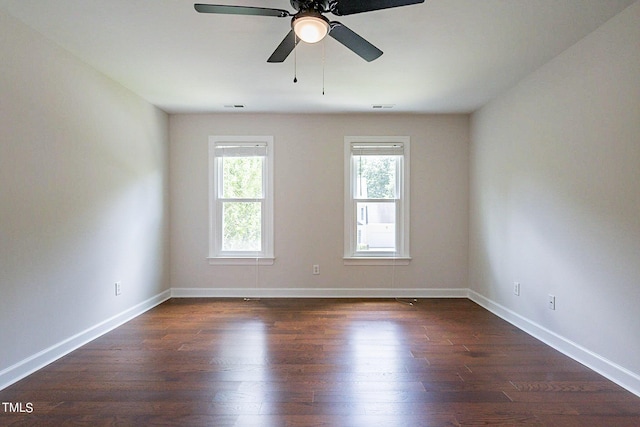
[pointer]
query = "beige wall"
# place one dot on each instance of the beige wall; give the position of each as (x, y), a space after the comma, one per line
(83, 197)
(309, 202)
(555, 196)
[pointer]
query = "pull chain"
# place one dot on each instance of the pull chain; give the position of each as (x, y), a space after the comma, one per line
(323, 61)
(295, 58)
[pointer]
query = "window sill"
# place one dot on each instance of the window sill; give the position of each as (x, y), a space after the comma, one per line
(377, 260)
(240, 261)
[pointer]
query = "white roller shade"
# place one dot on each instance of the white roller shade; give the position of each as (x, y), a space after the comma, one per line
(240, 149)
(377, 149)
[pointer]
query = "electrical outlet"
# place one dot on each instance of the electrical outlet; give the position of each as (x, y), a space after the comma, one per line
(516, 288)
(552, 302)
(316, 269)
(118, 288)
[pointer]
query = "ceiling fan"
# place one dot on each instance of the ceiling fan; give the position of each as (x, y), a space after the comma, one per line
(309, 24)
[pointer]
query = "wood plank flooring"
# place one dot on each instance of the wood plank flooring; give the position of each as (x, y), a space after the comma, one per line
(318, 362)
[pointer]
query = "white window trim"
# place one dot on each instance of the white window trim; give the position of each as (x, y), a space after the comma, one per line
(266, 255)
(402, 255)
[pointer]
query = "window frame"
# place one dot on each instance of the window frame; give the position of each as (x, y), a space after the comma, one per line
(401, 255)
(217, 256)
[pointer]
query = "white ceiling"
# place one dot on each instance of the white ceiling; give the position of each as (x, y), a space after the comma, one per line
(441, 56)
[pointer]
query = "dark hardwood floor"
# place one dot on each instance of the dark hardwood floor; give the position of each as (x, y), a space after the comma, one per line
(318, 362)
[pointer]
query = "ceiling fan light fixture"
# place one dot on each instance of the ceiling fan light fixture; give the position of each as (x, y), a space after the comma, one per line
(310, 27)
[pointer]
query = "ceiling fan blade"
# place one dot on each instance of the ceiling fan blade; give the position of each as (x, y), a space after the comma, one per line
(349, 7)
(240, 10)
(353, 41)
(285, 47)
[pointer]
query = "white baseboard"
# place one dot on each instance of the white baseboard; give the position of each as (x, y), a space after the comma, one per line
(316, 293)
(616, 373)
(41, 359)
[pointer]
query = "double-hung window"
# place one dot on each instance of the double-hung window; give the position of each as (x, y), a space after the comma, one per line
(376, 200)
(241, 199)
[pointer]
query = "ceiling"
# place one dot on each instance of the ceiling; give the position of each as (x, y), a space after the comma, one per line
(442, 56)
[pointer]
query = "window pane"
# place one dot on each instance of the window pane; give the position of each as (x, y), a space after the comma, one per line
(242, 177)
(241, 226)
(375, 177)
(376, 226)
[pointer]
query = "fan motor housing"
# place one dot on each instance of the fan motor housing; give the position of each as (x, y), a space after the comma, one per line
(303, 5)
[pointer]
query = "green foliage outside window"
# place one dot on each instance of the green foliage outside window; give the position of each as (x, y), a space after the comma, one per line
(242, 219)
(241, 226)
(242, 177)
(377, 174)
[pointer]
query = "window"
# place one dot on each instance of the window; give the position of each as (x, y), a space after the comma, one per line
(241, 200)
(376, 200)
